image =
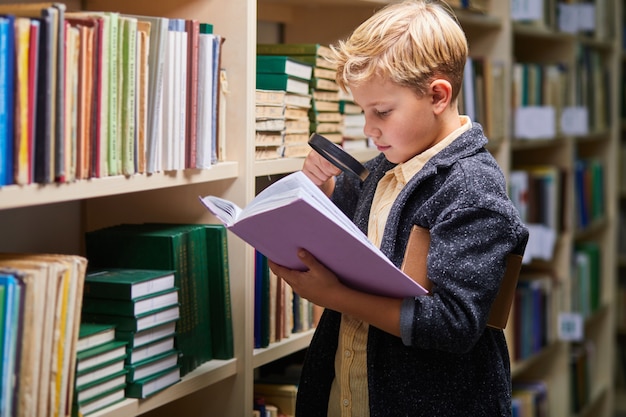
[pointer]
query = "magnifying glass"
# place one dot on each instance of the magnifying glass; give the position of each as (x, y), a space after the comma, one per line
(337, 156)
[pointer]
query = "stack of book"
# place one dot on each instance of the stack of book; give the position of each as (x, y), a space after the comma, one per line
(324, 116)
(282, 123)
(198, 253)
(40, 301)
(353, 121)
(100, 372)
(143, 305)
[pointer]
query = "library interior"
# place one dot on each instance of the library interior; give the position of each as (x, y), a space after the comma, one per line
(122, 295)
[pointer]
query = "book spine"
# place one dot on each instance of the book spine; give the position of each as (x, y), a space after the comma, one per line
(219, 292)
(7, 62)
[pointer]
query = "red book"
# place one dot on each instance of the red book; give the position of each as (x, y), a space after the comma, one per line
(192, 27)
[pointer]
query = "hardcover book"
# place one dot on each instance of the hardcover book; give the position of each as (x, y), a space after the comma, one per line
(294, 213)
(134, 307)
(281, 64)
(127, 284)
(94, 334)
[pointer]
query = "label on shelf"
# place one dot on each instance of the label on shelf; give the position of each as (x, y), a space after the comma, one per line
(571, 327)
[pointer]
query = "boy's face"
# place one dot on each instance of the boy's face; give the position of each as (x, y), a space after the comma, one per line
(400, 123)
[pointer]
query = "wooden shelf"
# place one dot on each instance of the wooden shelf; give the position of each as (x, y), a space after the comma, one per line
(15, 196)
(209, 373)
(294, 343)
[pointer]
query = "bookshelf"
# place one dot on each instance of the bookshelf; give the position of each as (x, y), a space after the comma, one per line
(55, 217)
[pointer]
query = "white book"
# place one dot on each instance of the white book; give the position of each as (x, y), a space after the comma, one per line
(206, 56)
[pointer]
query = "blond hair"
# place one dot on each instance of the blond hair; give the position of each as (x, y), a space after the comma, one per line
(411, 43)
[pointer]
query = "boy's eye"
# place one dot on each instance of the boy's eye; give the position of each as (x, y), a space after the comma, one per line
(382, 113)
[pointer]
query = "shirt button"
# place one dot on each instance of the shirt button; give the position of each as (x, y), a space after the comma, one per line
(346, 402)
(347, 353)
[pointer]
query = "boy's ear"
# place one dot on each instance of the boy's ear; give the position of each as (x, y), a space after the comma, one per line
(441, 93)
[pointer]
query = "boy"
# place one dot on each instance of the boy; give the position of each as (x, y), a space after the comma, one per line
(431, 355)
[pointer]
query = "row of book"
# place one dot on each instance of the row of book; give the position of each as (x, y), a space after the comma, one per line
(589, 192)
(161, 290)
(301, 72)
(537, 192)
(279, 312)
(481, 96)
(530, 398)
(534, 315)
(198, 254)
(128, 344)
(40, 307)
(591, 18)
(586, 292)
(102, 93)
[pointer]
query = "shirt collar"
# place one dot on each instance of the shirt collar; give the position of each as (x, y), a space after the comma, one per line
(406, 170)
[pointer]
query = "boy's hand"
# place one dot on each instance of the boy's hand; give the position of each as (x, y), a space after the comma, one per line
(318, 284)
(320, 171)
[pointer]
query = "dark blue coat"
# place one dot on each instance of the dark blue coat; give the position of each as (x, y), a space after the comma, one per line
(452, 364)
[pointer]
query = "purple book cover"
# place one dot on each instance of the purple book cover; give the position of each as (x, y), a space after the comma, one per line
(279, 232)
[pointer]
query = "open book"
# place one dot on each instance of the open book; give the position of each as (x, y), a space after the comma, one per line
(294, 213)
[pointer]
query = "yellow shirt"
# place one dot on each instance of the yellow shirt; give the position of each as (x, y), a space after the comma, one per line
(348, 394)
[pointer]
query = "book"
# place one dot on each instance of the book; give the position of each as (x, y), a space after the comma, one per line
(100, 401)
(143, 43)
(133, 307)
(127, 283)
(180, 247)
(192, 27)
(138, 323)
(156, 63)
(207, 55)
(281, 64)
(94, 334)
(282, 82)
(96, 388)
(151, 365)
(101, 354)
(220, 307)
(294, 49)
(294, 213)
(10, 305)
(46, 376)
(7, 109)
(144, 337)
(21, 158)
(149, 350)
(146, 387)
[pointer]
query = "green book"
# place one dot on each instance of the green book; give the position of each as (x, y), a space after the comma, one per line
(141, 353)
(127, 283)
(146, 387)
(101, 354)
(282, 82)
(105, 370)
(133, 307)
(178, 247)
(281, 64)
(219, 291)
(99, 387)
(144, 337)
(206, 28)
(138, 323)
(292, 49)
(99, 402)
(152, 365)
(94, 334)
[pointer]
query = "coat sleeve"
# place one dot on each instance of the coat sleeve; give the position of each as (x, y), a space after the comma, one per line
(466, 264)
